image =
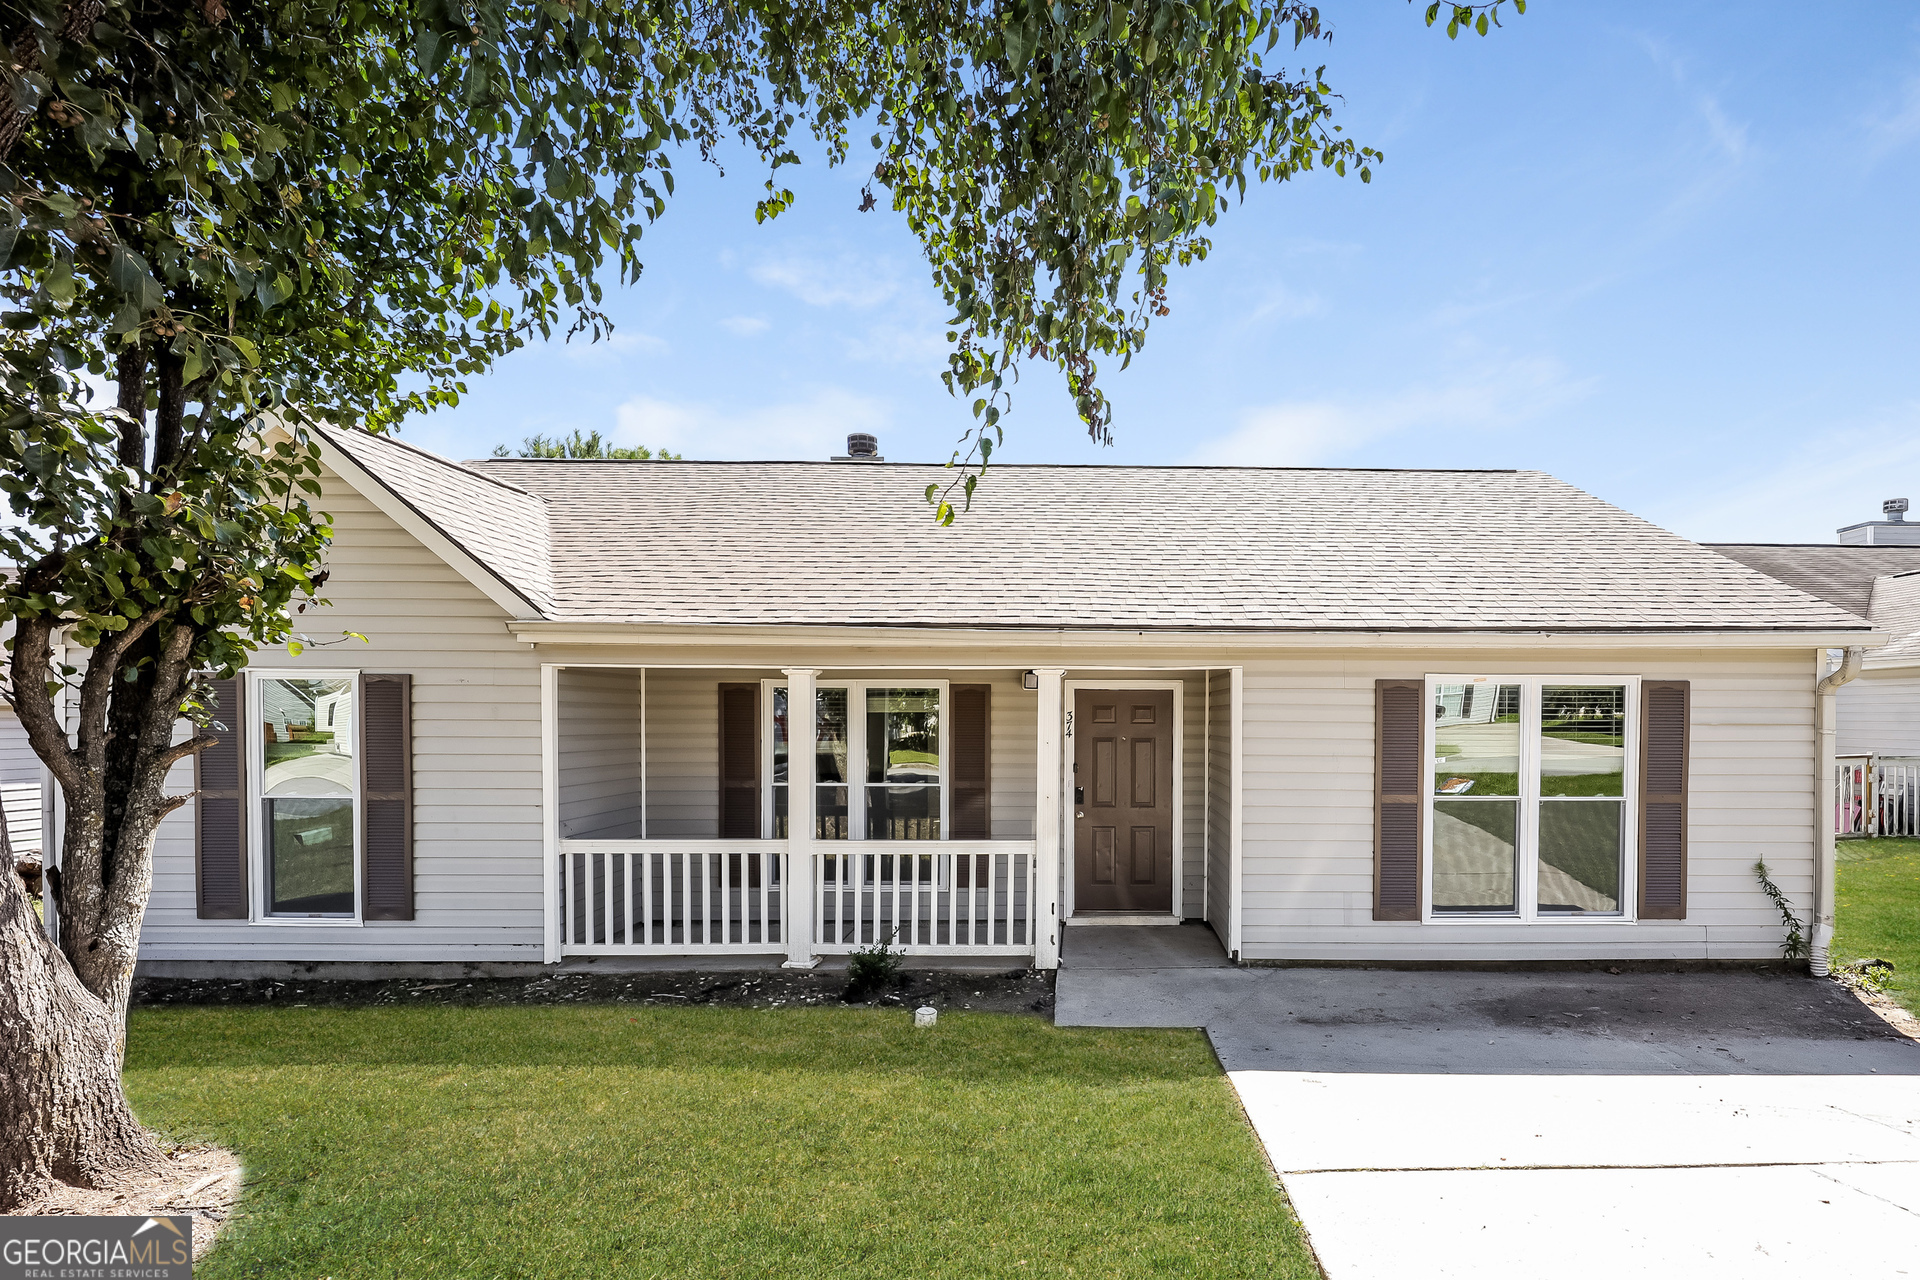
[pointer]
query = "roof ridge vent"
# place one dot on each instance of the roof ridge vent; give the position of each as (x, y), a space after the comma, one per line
(861, 447)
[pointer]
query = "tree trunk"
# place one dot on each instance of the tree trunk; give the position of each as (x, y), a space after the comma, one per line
(62, 1112)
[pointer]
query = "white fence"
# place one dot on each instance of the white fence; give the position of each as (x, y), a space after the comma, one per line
(672, 897)
(954, 897)
(719, 897)
(1876, 796)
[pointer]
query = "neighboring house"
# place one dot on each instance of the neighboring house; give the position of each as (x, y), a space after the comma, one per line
(20, 786)
(1880, 581)
(1335, 714)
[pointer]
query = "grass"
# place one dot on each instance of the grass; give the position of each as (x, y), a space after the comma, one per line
(1877, 905)
(605, 1140)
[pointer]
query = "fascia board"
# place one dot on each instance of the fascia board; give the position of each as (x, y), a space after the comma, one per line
(566, 633)
(429, 534)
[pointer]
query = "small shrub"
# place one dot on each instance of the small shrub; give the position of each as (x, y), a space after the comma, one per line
(871, 968)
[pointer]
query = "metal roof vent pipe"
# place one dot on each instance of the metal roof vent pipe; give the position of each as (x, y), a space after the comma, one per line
(861, 447)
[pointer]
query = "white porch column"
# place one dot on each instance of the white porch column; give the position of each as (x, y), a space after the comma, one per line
(1236, 773)
(802, 762)
(1049, 766)
(550, 804)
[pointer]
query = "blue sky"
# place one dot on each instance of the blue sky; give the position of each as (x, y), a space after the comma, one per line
(1665, 251)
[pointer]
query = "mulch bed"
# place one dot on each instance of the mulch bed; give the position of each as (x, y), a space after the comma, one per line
(1026, 991)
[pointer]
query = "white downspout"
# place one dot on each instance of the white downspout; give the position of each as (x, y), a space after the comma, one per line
(1826, 727)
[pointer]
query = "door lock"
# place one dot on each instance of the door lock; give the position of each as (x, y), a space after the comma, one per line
(1079, 795)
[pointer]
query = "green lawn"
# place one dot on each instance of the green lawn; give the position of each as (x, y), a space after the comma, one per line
(602, 1140)
(1877, 901)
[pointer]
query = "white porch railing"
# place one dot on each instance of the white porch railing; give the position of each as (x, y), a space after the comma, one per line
(950, 897)
(1876, 796)
(721, 897)
(672, 897)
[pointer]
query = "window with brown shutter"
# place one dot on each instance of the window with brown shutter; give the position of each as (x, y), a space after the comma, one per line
(740, 762)
(1399, 718)
(970, 727)
(386, 797)
(219, 818)
(1664, 706)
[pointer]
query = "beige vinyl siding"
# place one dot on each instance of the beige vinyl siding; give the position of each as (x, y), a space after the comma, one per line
(1218, 726)
(599, 753)
(20, 784)
(1308, 809)
(1880, 713)
(476, 734)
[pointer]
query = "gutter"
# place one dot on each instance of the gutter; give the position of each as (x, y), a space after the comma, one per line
(1826, 727)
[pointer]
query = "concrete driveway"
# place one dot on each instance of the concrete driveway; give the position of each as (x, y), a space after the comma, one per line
(1495, 1125)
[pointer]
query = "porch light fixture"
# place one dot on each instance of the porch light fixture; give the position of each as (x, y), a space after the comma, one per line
(1030, 681)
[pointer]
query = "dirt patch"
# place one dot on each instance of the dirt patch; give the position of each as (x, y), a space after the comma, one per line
(201, 1181)
(1757, 1005)
(1028, 991)
(1883, 1006)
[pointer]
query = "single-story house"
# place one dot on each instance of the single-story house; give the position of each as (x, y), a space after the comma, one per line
(1335, 714)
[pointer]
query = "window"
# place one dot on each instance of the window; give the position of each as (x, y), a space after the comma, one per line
(307, 788)
(1529, 794)
(879, 752)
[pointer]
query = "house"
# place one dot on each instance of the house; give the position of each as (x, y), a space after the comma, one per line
(1873, 571)
(1365, 715)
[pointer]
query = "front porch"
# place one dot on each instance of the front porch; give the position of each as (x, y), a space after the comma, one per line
(935, 811)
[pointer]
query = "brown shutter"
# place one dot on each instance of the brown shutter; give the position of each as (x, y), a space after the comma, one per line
(1399, 718)
(740, 761)
(969, 738)
(219, 812)
(1664, 705)
(386, 797)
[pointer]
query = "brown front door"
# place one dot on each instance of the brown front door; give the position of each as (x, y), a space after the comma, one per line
(1122, 799)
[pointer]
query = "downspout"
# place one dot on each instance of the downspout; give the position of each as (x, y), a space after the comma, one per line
(1826, 724)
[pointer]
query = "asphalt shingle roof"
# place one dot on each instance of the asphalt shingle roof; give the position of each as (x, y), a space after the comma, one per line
(1203, 548)
(498, 524)
(1896, 610)
(1837, 574)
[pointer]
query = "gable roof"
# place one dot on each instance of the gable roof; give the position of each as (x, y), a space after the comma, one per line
(1076, 547)
(1896, 610)
(1837, 574)
(503, 529)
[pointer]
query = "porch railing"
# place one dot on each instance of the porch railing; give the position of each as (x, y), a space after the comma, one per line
(672, 897)
(973, 897)
(1876, 795)
(718, 897)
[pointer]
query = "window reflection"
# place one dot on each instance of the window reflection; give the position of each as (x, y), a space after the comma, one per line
(1476, 745)
(307, 787)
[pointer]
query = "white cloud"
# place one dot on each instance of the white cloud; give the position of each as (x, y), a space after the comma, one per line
(829, 280)
(814, 426)
(744, 326)
(619, 342)
(1278, 302)
(1310, 432)
(1897, 124)
(1804, 492)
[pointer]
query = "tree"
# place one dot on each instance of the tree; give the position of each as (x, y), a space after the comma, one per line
(587, 445)
(236, 211)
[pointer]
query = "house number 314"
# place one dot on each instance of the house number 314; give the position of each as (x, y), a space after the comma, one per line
(1069, 724)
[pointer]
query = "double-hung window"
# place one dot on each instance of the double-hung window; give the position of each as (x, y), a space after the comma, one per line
(305, 781)
(1530, 792)
(879, 751)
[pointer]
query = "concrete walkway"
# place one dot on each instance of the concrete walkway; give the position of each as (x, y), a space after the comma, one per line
(1493, 1125)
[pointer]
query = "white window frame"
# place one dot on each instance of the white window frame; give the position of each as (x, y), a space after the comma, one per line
(1526, 878)
(856, 752)
(254, 741)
